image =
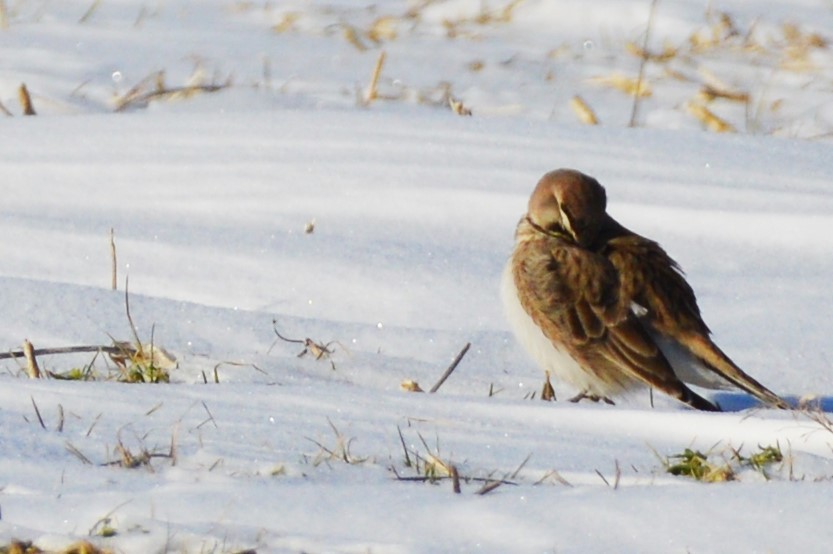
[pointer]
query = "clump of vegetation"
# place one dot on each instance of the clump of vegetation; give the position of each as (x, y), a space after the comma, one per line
(136, 362)
(338, 452)
(698, 466)
(695, 464)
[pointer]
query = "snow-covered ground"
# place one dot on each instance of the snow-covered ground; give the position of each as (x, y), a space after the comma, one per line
(413, 209)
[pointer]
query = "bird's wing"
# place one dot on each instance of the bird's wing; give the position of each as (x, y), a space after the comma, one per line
(650, 278)
(577, 291)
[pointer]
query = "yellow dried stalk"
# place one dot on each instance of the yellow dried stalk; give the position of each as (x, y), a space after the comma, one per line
(560, 52)
(709, 119)
(700, 41)
(287, 22)
(25, 100)
(458, 107)
(583, 111)
(435, 467)
(629, 85)
(676, 75)
(714, 87)
(409, 385)
(383, 29)
(668, 53)
(505, 15)
(373, 89)
(725, 26)
(352, 36)
(32, 368)
(709, 93)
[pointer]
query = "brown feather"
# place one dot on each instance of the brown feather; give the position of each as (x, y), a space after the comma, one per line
(649, 277)
(573, 297)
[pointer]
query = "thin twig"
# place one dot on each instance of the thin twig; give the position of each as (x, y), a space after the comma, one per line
(60, 418)
(90, 11)
(555, 475)
(404, 448)
(129, 318)
(92, 426)
(488, 487)
(66, 350)
(167, 93)
(373, 89)
(433, 478)
(37, 413)
(283, 338)
(210, 415)
(77, 453)
(451, 368)
(642, 64)
(113, 265)
(520, 467)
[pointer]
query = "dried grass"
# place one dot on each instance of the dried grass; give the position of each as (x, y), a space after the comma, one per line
(583, 111)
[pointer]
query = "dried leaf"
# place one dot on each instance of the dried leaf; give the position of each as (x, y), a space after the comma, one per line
(583, 111)
(709, 119)
(410, 386)
(629, 85)
(383, 29)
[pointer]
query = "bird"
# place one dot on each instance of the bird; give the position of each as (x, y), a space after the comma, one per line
(605, 309)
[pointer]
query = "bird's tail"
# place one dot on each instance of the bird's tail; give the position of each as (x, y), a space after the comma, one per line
(715, 360)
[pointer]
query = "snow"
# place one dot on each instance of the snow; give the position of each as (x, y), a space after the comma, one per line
(414, 210)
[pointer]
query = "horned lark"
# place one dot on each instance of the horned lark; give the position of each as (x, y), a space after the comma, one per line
(604, 308)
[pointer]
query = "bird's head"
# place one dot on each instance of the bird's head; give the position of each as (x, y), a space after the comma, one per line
(568, 204)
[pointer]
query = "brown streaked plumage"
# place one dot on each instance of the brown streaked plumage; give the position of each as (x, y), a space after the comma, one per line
(607, 309)
(651, 279)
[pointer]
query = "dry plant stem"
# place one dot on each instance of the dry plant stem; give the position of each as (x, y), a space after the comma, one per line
(4, 18)
(113, 265)
(65, 350)
(32, 368)
(636, 95)
(78, 454)
(129, 318)
(90, 11)
(3, 108)
(488, 487)
(373, 89)
(404, 448)
(25, 100)
(583, 111)
(141, 99)
(455, 480)
(37, 413)
(451, 368)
